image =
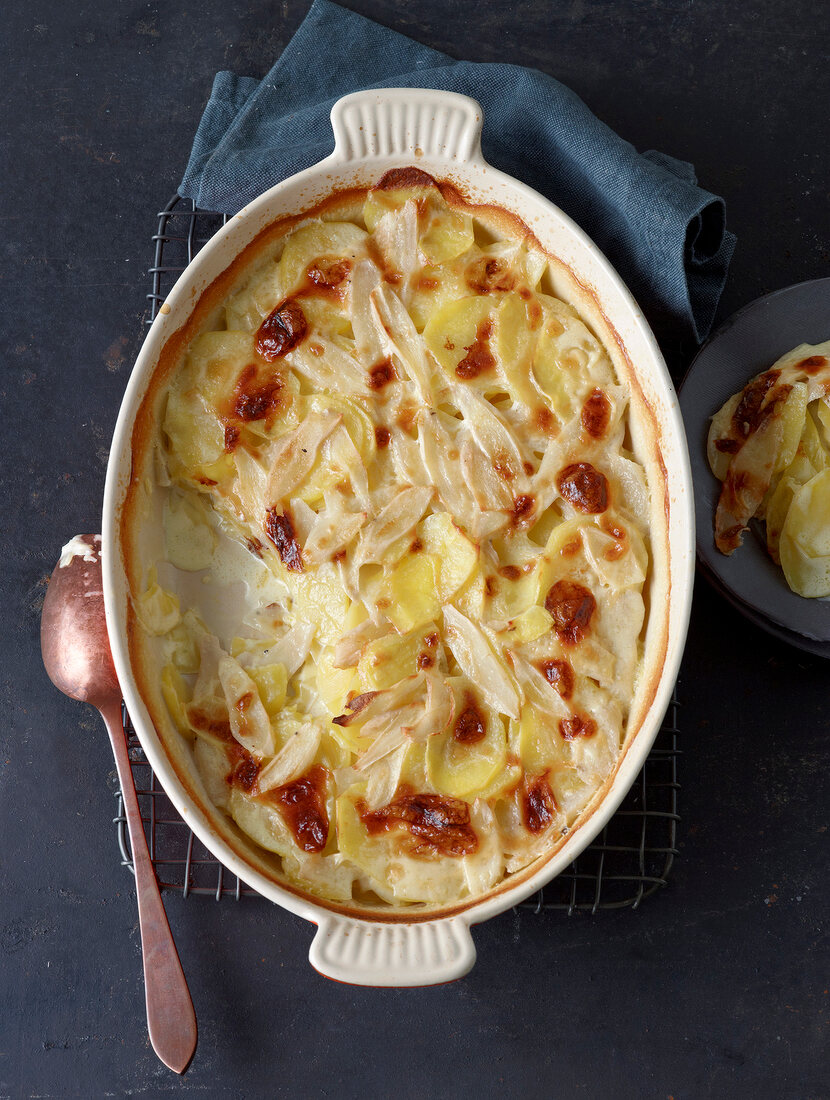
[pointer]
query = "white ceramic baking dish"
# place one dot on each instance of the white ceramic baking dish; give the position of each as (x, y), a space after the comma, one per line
(440, 133)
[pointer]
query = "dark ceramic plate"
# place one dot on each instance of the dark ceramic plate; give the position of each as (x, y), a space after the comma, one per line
(748, 343)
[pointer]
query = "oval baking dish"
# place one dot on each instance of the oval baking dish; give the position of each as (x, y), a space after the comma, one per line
(440, 134)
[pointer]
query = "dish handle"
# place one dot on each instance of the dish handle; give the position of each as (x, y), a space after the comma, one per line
(364, 953)
(419, 122)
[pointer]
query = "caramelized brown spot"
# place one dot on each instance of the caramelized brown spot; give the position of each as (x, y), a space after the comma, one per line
(243, 703)
(302, 806)
(437, 825)
(329, 275)
(538, 804)
(416, 546)
(523, 507)
(207, 722)
(449, 345)
(490, 586)
(510, 572)
(746, 417)
(503, 467)
(231, 437)
(470, 726)
(559, 675)
(596, 414)
(255, 396)
(398, 178)
(479, 358)
(426, 283)
(812, 364)
(488, 274)
(246, 773)
(390, 275)
(382, 436)
(727, 446)
(424, 660)
(431, 639)
(280, 530)
(615, 552)
(283, 329)
(578, 725)
(571, 607)
(730, 539)
(406, 418)
(534, 315)
(584, 487)
(571, 548)
(206, 481)
(381, 374)
(356, 704)
(316, 349)
(545, 420)
(255, 546)
(528, 468)
(610, 528)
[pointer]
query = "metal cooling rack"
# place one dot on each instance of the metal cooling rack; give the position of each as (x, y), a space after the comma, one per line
(630, 859)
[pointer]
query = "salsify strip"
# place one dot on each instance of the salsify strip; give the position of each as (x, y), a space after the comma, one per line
(296, 453)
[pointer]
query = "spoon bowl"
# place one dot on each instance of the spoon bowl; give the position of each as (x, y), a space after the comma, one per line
(77, 656)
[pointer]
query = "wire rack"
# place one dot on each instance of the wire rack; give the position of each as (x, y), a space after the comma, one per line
(630, 859)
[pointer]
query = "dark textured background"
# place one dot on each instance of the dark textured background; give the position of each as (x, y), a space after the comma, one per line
(716, 987)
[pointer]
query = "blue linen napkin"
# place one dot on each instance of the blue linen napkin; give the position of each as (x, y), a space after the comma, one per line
(666, 236)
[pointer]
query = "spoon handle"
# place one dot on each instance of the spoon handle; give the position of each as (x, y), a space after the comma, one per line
(171, 1020)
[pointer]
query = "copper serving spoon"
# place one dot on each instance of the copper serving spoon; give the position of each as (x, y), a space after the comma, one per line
(76, 653)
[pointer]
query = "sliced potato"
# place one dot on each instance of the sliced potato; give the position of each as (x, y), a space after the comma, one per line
(465, 770)
(821, 412)
(387, 660)
(459, 328)
(540, 745)
(355, 420)
(805, 538)
(157, 609)
(410, 592)
(568, 362)
(271, 682)
(195, 433)
(444, 233)
(313, 241)
(449, 234)
(380, 202)
(471, 599)
(262, 293)
(397, 876)
(518, 324)
(527, 627)
(455, 555)
(794, 416)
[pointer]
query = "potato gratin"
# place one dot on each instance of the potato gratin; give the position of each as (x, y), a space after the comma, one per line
(400, 603)
(770, 446)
